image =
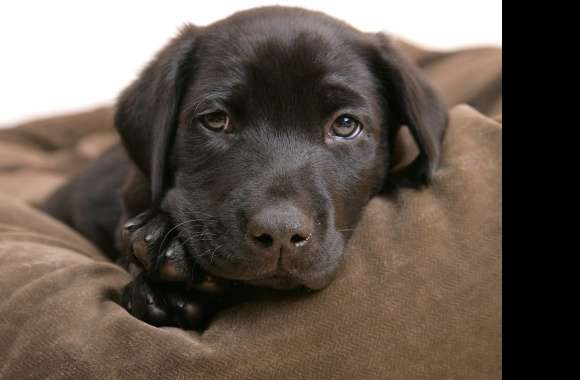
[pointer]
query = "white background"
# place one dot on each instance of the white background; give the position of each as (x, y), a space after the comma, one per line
(60, 55)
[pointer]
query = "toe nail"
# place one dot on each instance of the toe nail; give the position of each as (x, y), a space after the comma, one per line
(149, 299)
(181, 304)
(130, 225)
(129, 306)
(169, 252)
(149, 238)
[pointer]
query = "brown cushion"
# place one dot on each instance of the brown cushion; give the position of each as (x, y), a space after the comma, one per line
(419, 295)
(464, 76)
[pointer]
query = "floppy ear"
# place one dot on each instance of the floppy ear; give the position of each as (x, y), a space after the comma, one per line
(410, 102)
(147, 111)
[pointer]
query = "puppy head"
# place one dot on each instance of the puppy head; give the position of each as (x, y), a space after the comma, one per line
(265, 134)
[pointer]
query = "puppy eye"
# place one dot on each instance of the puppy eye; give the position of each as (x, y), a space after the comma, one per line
(345, 127)
(216, 121)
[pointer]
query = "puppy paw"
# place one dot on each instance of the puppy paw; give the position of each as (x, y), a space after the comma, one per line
(168, 288)
(153, 242)
(171, 305)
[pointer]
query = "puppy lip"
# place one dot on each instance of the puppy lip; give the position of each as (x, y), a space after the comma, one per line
(285, 279)
(227, 273)
(280, 279)
(277, 275)
(277, 278)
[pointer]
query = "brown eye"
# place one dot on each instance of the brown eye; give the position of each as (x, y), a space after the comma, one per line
(345, 127)
(216, 121)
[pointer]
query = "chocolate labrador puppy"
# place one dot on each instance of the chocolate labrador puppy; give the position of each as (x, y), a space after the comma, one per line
(250, 148)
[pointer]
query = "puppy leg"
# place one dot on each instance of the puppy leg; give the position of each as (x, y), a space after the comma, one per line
(168, 289)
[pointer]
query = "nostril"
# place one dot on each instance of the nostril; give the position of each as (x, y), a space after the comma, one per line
(299, 240)
(279, 228)
(264, 240)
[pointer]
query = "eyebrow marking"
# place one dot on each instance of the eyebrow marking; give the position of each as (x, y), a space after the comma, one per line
(339, 95)
(213, 98)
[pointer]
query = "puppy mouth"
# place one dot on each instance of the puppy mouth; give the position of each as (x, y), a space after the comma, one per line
(286, 281)
(279, 279)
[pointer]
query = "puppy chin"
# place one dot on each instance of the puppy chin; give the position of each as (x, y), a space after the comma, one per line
(283, 281)
(276, 282)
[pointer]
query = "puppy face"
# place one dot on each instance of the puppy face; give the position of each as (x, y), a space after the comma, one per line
(265, 135)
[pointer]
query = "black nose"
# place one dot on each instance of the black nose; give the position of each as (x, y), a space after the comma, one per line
(282, 227)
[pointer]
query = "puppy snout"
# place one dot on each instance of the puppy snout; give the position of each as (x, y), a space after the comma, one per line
(280, 229)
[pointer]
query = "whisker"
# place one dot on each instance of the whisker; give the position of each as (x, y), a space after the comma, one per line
(212, 254)
(210, 251)
(171, 230)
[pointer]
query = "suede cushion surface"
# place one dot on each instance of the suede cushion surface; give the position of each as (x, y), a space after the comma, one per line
(419, 295)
